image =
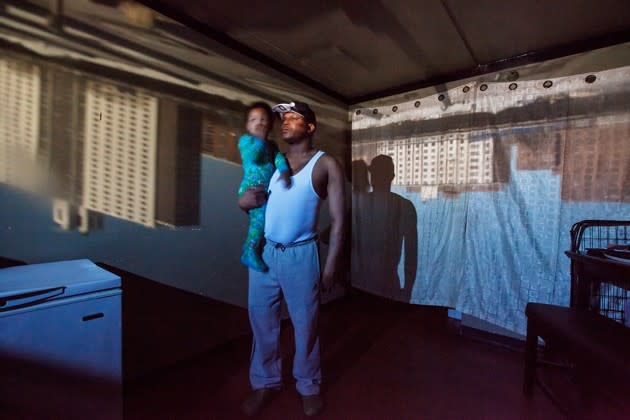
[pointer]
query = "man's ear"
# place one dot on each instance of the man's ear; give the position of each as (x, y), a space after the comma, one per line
(310, 128)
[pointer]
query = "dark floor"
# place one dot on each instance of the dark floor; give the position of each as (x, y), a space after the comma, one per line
(381, 360)
(185, 356)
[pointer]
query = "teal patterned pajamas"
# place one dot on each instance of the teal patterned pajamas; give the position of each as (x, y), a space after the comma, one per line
(260, 160)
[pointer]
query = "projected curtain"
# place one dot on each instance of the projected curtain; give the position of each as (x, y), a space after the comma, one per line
(465, 198)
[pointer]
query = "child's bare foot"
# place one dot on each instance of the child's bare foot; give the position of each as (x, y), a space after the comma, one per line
(250, 258)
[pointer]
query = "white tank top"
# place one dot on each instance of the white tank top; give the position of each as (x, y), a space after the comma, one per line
(292, 213)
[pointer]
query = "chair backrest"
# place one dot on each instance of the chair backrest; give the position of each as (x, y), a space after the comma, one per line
(599, 234)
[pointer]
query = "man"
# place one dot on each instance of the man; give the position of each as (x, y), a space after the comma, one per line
(291, 253)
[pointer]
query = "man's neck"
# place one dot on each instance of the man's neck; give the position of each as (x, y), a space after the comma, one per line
(301, 148)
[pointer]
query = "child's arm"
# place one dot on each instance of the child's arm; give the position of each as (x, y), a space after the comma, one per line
(283, 166)
(251, 148)
(281, 163)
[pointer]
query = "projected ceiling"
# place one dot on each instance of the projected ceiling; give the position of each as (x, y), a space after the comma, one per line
(358, 50)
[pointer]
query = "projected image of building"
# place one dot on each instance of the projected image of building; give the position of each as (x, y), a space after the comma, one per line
(98, 147)
(19, 118)
(447, 162)
(597, 161)
(141, 160)
(120, 153)
(219, 139)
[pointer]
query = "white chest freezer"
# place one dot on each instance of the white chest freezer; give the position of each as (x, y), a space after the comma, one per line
(60, 340)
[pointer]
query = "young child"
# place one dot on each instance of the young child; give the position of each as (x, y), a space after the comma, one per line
(260, 157)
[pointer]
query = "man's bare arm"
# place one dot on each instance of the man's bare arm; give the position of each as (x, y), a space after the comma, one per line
(336, 197)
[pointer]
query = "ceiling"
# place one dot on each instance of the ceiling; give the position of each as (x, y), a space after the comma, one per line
(362, 50)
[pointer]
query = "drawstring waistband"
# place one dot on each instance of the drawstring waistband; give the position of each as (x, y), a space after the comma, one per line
(282, 247)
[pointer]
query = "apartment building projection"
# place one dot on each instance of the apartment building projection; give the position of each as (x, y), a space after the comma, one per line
(105, 148)
(590, 152)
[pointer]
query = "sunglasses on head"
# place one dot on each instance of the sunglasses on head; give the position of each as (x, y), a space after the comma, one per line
(283, 108)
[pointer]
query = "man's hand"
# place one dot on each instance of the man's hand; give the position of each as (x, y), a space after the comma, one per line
(328, 281)
(252, 198)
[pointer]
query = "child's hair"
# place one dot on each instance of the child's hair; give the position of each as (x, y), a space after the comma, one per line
(262, 105)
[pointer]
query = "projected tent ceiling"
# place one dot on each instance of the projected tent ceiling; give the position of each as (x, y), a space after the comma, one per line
(355, 51)
(365, 49)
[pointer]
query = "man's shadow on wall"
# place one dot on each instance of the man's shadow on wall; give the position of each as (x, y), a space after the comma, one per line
(383, 224)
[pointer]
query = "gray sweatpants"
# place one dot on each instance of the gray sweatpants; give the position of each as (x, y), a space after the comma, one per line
(294, 274)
